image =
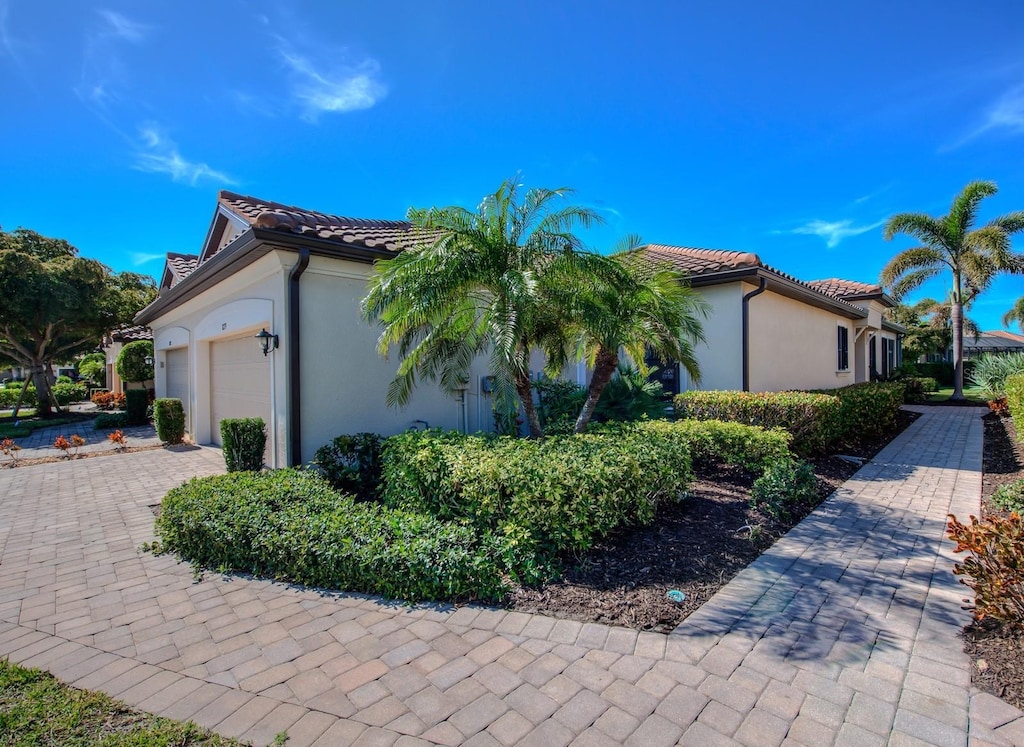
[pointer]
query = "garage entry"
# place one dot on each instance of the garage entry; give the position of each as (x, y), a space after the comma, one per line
(177, 376)
(239, 383)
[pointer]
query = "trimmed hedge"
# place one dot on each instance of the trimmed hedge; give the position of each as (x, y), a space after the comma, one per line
(1015, 401)
(9, 397)
(867, 411)
(807, 416)
(136, 404)
(290, 524)
(557, 494)
(110, 420)
(68, 392)
(169, 415)
(352, 463)
(710, 442)
(243, 441)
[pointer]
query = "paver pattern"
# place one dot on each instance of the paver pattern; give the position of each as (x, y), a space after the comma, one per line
(845, 632)
(40, 442)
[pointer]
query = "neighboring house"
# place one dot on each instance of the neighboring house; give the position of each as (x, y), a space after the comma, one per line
(300, 276)
(768, 331)
(112, 346)
(996, 341)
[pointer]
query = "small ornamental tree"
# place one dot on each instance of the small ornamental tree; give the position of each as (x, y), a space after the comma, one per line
(131, 362)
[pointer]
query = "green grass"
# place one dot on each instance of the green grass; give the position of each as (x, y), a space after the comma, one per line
(37, 710)
(28, 423)
(972, 393)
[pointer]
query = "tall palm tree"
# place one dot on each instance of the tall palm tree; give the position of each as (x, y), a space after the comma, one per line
(474, 286)
(1015, 314)
(951, 243)
(634, 308)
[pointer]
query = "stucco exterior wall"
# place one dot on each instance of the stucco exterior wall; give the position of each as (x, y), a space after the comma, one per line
(793, 345)
(721, 356)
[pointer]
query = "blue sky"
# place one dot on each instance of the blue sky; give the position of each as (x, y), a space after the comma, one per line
(790, 129)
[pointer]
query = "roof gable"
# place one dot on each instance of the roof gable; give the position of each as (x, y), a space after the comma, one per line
(177, 268)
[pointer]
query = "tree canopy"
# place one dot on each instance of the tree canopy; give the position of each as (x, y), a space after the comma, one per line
(55, 304)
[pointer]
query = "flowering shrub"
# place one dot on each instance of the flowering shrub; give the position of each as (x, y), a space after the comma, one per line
(66, 446)
(109, 400)
(118, 439)
(994, 568)
(10, 449)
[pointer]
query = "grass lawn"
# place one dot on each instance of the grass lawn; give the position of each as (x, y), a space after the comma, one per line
(972, 393)
(27, 422)
(37, 710)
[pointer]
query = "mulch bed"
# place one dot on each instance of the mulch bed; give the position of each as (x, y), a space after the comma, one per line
(695, 546)
(997, 652)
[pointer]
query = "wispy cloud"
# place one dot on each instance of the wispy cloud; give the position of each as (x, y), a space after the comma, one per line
(122, 27)
(1006, 116)
(833, 232)
(342, 89)
(159, 154)
(142, 258)
(103, 72)
(8, 44)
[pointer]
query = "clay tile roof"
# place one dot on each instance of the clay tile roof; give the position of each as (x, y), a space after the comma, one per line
(181, 266)
(845, 288)
(131, 334)
(695, 261)
(391, 235)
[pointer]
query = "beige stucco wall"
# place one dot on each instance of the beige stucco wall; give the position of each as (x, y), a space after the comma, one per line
(793, 345)
(721, 356)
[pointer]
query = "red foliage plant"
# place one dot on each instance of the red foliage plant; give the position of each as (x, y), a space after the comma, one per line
(994, 567)
(118, 438)
(109, 400)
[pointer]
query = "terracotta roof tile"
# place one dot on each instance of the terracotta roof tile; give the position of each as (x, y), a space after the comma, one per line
(131, 334)
(181, 266)
(844, 289)
(390, 235)
(695, 261)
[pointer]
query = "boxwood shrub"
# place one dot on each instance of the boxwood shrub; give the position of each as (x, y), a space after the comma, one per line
(808, 416)
(9, 397)
(559, 493)
(110, 420)
(1015, 401)
(136, 402)
(867, 411)
(243, 441)
(67, 392)
(169, 415)
(290, 524)
(710, 442)
(352, 463)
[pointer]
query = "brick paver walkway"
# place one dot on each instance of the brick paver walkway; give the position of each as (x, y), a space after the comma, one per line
(844, 633)
(40, 442)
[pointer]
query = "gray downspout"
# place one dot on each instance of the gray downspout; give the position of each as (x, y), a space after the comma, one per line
(294, 371)
(746, 331)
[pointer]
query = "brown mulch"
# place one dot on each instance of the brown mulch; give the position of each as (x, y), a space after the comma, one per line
(28, 462)
(695, 546)
(997, 652)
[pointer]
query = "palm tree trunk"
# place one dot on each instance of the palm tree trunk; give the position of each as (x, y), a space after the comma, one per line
(524, 388)
(604, 368)
(957, 318)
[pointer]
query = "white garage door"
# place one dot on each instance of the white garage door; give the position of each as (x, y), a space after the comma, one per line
(239, 383)
(177, 376)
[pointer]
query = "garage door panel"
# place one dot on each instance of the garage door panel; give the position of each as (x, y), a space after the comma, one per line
(239, 383)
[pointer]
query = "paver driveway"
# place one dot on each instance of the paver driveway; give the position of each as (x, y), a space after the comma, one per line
(844, 633)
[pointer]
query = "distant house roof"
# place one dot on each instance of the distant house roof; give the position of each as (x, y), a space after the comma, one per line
(995, 341)
(713, 266)
(129, 334)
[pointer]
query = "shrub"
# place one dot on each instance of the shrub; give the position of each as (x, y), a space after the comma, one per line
(291, 524)
(785, 488)
(67, 393)
(352, 463)
(108, 400)
(131, 361)
(717, 442)
(63, 379)
(992, 369)
(1015, 401)
(558, 404)
(9, 397)
(93, 367)
(941, 371)
(867, 411)
(169, 415)
(136, 402)
(110, 420)
(1010, 497)
(559, 493)
(994, 568)
(243, 441)
(808, 416)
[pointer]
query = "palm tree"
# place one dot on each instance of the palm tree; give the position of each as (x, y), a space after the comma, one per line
(634, 308)
(475, 286)
(950, 242)
(1015, 314)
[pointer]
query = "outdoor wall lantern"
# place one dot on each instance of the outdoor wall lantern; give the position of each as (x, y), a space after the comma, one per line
(149, 361)
(268, 342)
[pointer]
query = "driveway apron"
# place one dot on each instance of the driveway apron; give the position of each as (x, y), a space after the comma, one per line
(844, 632)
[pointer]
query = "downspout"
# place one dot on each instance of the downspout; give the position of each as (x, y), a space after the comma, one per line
(294, 372)
(746, 330)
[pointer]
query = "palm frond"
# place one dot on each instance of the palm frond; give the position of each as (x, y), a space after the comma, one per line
(909, 261)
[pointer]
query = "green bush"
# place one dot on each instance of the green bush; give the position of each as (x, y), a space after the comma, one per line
(941, 371)
(1015, 401)
(110, 420)
(9, 397)
(717, 442)
(93, 367)
(991, 370)
(558, 404)
(784, 489)
(169, 415)
(131, 361)
(867, 411)
(64, 379)
(628, 397)
(136, 401)
(243, 441)
(66, 393)
(809, 417)
(352, 463)
(1010, 497)
(291, 524)
(559, 493)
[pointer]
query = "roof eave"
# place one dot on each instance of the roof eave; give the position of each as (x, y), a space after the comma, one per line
(783, 286)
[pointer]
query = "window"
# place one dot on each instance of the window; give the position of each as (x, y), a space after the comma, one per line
(843, 359)
(888, 356)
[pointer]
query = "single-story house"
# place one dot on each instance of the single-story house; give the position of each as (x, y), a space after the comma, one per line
(112, 345)
(995, 341)
(296, 278)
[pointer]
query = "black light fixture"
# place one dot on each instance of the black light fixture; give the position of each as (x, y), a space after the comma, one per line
(268, 342)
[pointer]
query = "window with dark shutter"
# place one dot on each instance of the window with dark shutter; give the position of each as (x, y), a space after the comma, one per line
(843, 359)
